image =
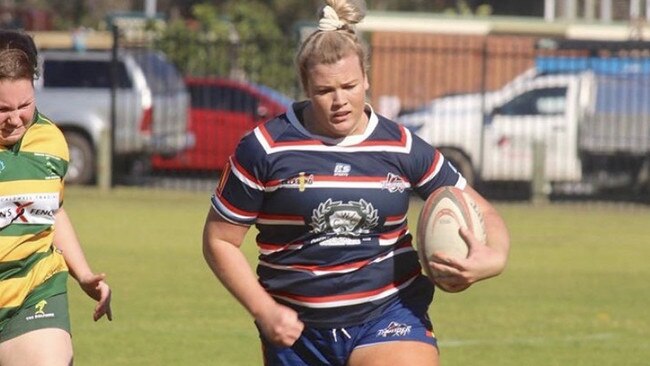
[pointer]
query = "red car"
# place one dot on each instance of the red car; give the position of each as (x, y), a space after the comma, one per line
(222, 111)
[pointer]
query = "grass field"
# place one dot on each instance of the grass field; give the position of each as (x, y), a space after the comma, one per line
(575, 292)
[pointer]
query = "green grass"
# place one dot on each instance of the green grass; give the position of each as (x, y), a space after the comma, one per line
(575, 291)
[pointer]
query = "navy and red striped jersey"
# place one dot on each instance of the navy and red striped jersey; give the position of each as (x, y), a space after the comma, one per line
(333, 239)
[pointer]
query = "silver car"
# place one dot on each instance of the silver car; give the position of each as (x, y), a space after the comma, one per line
(151, 105)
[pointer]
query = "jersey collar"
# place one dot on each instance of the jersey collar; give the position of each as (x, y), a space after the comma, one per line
(297, 108)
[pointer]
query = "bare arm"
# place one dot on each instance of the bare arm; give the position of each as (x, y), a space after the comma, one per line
(93, 285)
(221, 249)
(483, 261)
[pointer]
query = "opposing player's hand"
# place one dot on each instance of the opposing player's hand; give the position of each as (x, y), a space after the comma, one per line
(280, 325)
(457, 274)
(95, 287)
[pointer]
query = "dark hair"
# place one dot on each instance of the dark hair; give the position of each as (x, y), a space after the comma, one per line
(18, 56)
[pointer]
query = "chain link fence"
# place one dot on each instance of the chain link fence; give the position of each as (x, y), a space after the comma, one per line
(520, 116)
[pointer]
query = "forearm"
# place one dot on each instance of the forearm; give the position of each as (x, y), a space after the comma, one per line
(233, 270)
(222, 241)
(65, 239)
(498, 238)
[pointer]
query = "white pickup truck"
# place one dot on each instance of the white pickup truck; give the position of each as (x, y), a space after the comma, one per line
(595, 129)
(151, 106)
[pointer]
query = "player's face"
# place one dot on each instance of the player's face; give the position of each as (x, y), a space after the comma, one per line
(338, 93)
(16, 109)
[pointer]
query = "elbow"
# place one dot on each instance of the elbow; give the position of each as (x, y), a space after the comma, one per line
(504, 254)
(499, 242)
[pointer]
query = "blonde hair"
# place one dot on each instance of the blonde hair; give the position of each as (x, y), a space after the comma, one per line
(335, 38)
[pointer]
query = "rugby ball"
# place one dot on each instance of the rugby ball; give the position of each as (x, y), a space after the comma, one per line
(445, 211)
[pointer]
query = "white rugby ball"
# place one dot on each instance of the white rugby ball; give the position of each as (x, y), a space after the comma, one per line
(445, 211)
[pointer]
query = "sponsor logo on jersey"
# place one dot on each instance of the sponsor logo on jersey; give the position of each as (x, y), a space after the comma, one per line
(38, 208)
(301, 181)
(394, 329)
(394, 183)
(20, 210)
(339, 241)
(7, 216)
(9, 213)
(342, 170)
(344, 219)
(2, 166)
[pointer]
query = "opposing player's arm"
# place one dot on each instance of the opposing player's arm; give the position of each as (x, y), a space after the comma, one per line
(65, 239)
(221, 248)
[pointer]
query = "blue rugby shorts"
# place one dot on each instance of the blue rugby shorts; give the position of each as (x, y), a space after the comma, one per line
(333, 347)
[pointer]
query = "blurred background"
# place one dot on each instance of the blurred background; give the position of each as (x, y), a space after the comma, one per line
(542, 101)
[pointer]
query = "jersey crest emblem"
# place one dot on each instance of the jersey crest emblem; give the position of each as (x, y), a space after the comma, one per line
(352, 218)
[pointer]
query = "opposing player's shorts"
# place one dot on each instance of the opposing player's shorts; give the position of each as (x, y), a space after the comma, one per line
(333, 347)
(49, 312)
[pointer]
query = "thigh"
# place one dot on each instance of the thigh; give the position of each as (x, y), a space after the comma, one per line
(42, 347)
(403, 335)
(412, 353)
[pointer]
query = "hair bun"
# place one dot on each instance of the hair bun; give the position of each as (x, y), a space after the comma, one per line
(329, 20)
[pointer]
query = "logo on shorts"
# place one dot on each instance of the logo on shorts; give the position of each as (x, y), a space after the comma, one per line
(40, 307)
(394, 329)
(39, 311)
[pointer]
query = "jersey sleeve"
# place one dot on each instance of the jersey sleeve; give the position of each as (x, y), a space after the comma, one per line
(240, 191)
(429, 169)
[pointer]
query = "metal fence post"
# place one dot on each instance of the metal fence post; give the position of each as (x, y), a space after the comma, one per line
(539, 190)
(104, 160)
(106, 144)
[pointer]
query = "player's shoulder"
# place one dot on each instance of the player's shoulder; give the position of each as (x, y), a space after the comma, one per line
(275, 129)
(267, 133)
(43, 136)
(283, 132)
(390, 130)
(385, 131)
(262, 141)
(388, 125)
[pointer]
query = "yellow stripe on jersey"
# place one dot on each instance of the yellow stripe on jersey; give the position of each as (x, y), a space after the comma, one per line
(30, 186)
(26, 245)
(45, 138)
(14, 290)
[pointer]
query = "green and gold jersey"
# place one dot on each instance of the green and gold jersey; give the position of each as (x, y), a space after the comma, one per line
(31, 192)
